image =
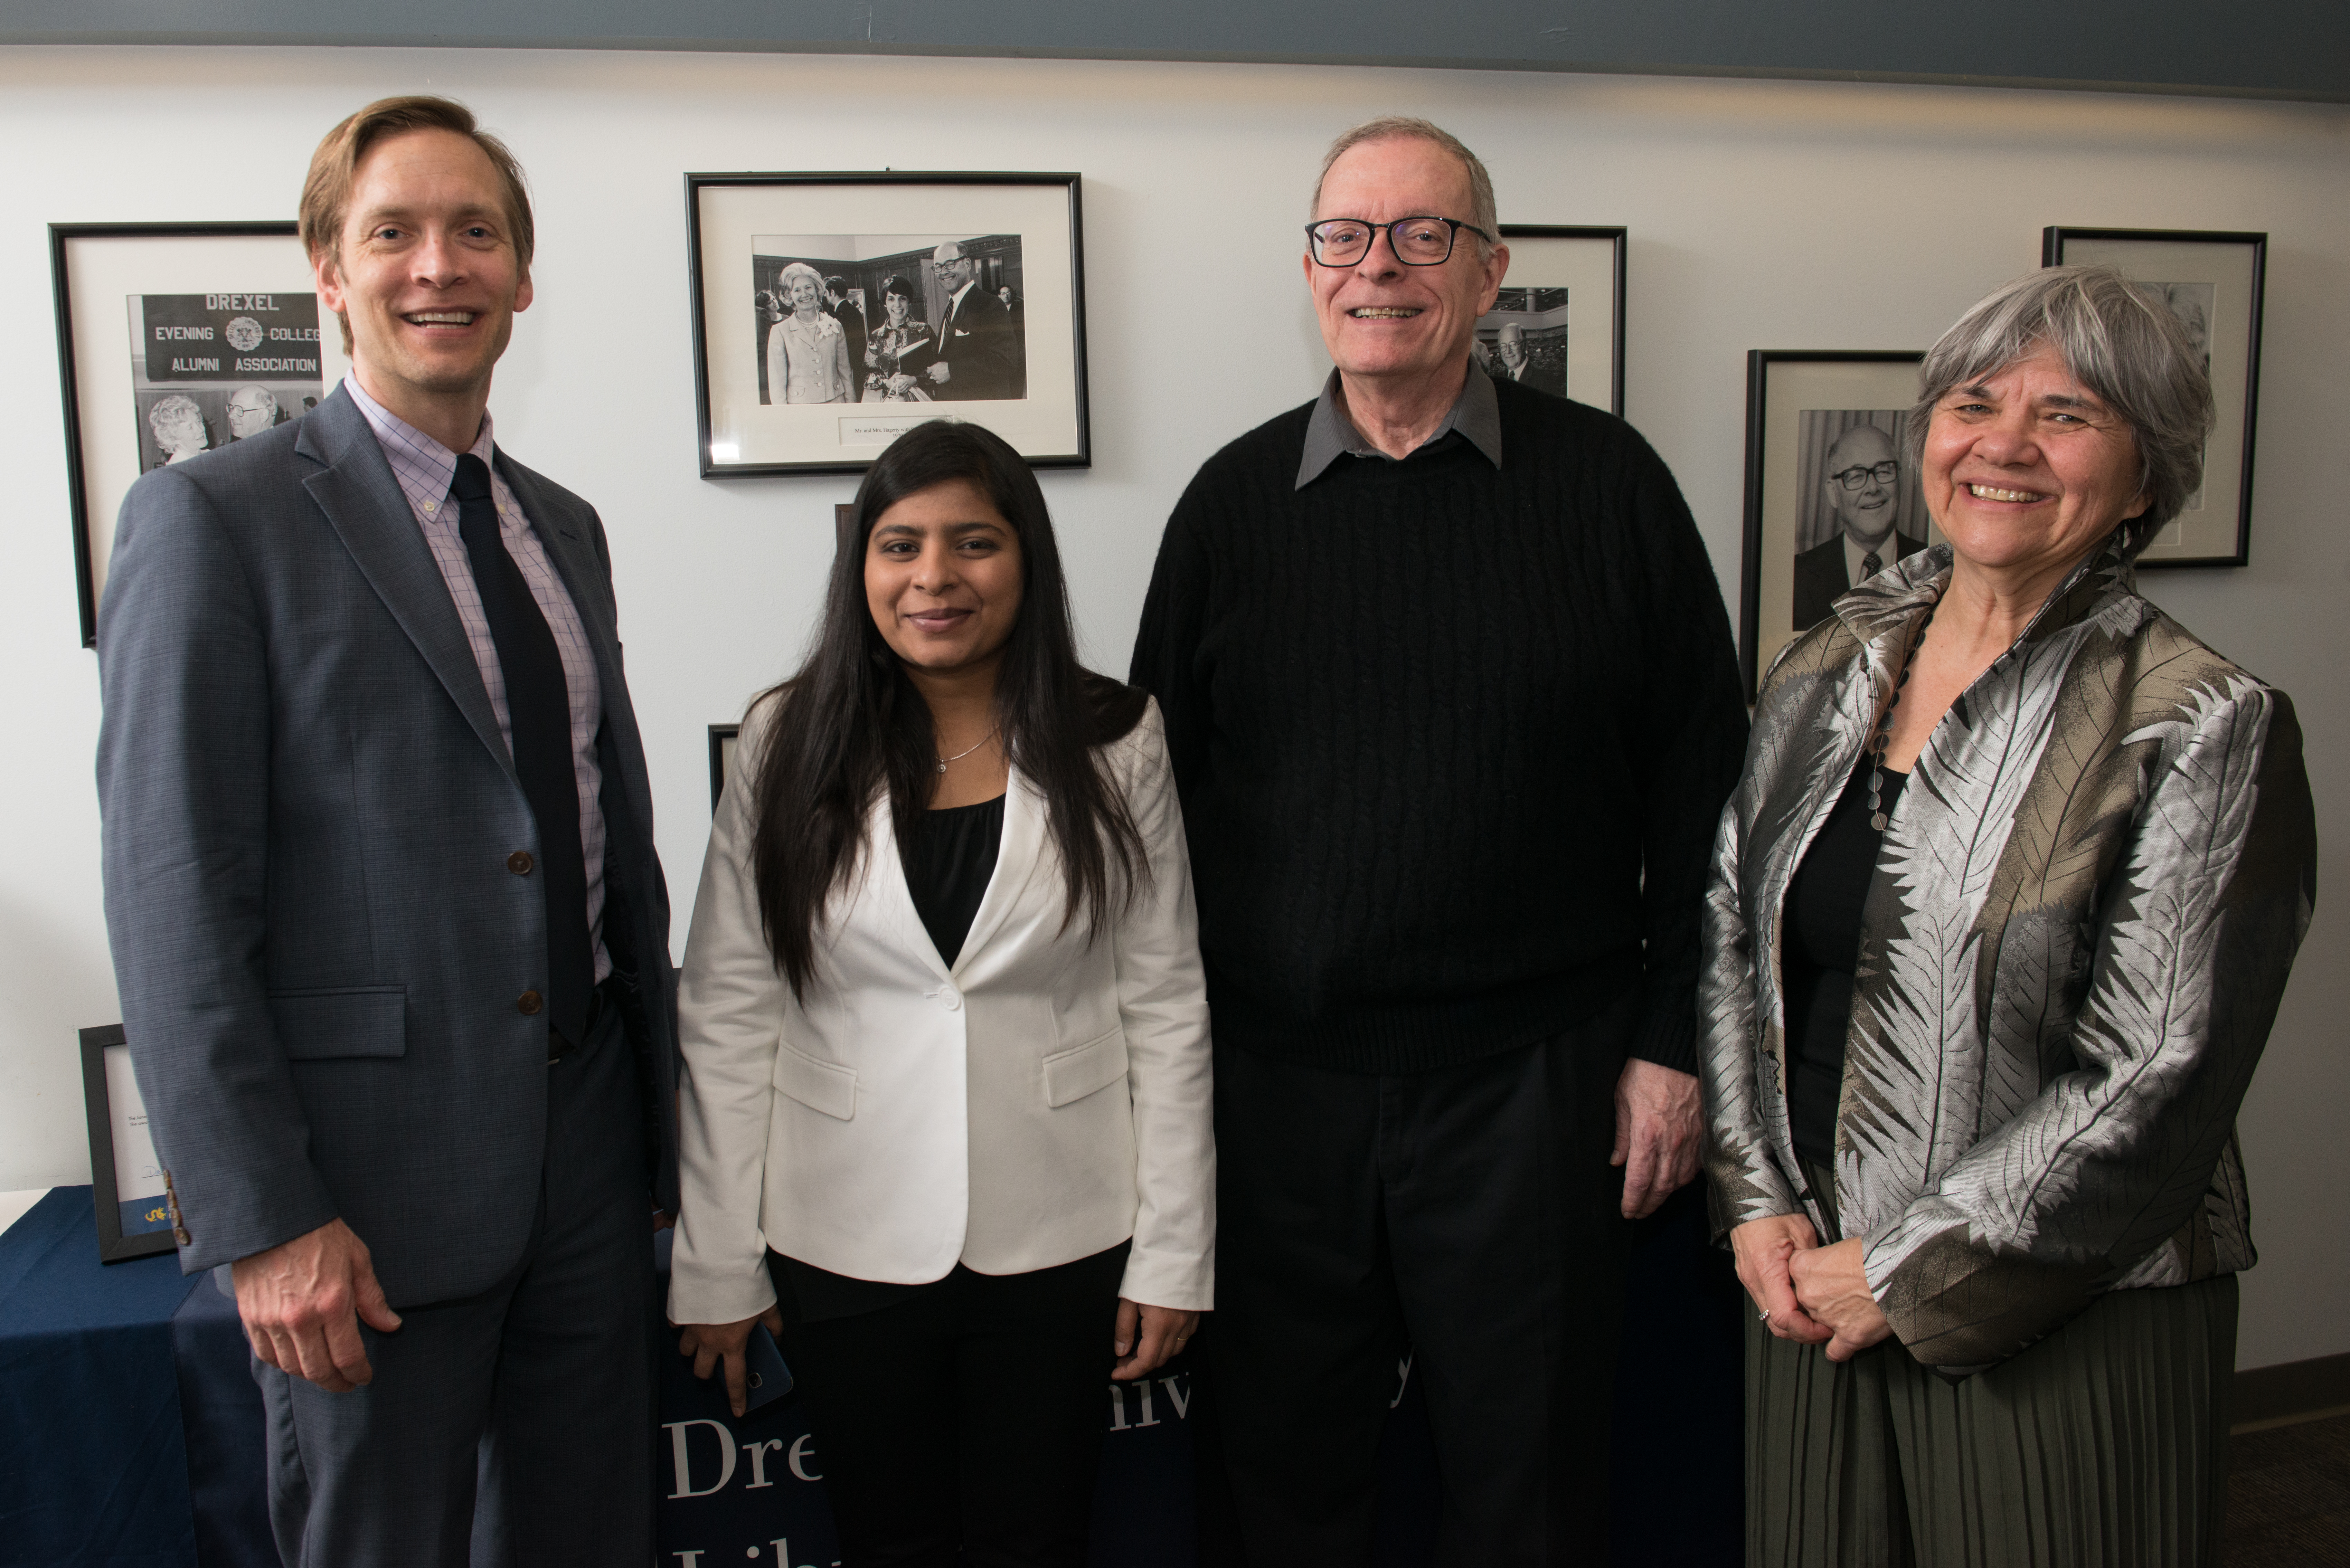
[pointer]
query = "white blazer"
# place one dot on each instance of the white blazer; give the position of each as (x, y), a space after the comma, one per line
(1042, 1100)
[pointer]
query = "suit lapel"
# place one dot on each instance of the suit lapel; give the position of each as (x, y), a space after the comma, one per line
(1015, 860)
(363, 502)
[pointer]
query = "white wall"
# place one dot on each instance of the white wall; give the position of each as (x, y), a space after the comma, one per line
(1763, 214)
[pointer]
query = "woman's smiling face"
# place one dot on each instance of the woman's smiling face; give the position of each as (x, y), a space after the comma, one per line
(2026, 468)
(942, 578)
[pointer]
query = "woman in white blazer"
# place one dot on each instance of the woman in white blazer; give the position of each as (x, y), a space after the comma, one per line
(946, 1107)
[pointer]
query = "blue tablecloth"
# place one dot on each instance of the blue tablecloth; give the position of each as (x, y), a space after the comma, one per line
(93, 1463)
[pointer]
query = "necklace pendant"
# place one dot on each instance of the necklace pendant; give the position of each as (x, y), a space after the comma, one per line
(1876, 821)
(942, 767)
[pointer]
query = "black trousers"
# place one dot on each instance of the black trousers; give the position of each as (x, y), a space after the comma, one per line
(513, 1428)
(1468, 1213)
(963, 1425)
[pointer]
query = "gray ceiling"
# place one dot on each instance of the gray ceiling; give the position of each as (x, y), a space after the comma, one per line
(2251, 48)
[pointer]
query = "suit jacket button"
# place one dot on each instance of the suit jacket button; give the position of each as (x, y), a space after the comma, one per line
(528, 1003)
(179, 1234)
(949, 999)
(520, 863)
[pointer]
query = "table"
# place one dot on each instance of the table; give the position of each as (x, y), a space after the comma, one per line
(101, 1368)
(130, 1428)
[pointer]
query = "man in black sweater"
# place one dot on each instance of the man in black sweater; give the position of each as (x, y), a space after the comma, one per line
(1453, 710)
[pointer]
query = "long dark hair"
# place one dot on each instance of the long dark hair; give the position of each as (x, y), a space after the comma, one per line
(851, 722)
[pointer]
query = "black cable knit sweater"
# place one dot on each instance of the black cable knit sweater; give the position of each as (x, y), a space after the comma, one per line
(1451, 740)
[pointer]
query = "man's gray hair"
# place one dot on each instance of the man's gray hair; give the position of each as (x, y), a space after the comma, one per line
(2119, 340)
(1391, 127)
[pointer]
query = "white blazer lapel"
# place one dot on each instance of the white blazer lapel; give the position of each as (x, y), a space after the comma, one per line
(1015, 861)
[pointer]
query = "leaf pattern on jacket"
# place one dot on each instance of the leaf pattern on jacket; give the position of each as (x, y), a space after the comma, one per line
(2086, 906)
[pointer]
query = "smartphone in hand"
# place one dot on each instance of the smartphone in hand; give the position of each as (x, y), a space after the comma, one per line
(767, 1378)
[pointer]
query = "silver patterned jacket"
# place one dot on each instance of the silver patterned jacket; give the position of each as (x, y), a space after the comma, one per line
(2086, 905)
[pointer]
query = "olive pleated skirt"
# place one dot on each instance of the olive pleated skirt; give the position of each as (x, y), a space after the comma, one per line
(2103, 1445)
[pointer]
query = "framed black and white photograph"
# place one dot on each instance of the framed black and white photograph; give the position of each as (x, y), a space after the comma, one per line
(1832, 498)
(174, 339)
(2211, 281)
(134, 1219)
(722, 759)
(1558, 325)
(832, 313)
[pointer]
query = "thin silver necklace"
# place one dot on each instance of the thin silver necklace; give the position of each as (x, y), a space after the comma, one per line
(961, 755)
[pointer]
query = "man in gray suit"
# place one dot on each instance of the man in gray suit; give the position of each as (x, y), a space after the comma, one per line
(391, 937)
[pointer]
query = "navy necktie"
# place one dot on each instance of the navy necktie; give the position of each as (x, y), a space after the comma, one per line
(538, 714)
(1870, 565)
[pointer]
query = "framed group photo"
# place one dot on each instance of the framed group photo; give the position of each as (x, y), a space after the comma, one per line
(134, 1215)
(1558, 323)
(1832, 497)
(832, 313)
(173, 339)
(2211, 282)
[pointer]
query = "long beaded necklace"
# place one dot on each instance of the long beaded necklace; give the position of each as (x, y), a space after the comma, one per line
(961, 755)
(1884, 736)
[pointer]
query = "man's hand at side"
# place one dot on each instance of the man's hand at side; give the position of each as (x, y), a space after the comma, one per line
(302, 1302)
(1656, 1134)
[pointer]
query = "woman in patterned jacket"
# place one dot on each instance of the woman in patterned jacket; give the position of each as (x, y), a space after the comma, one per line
(2000, 918)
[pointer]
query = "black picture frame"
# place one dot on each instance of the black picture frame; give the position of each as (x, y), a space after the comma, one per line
(2228, 310)
(739, 433)
(113, 1245)
(1533, 248)
(722, 755)
(1882, 380)
(84, 487)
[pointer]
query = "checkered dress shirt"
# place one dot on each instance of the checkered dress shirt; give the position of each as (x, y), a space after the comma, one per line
(425, 470)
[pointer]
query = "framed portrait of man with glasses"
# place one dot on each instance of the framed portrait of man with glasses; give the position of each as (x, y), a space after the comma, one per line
(1832, 496)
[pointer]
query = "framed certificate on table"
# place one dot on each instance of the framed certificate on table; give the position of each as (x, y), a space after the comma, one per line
(127, 1181)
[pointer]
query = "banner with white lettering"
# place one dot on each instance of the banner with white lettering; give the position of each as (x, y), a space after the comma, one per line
(210, 368)
(747, 1491)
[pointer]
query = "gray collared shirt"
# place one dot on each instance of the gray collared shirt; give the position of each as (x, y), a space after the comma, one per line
(1476, 413)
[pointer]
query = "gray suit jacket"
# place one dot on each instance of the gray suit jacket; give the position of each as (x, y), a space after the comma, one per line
(307, 815)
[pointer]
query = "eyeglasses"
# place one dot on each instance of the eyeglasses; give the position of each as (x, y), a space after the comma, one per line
(1885, 472)
(1417, 241)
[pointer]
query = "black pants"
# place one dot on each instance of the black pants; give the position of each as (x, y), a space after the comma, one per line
(968, 1417)
(1468, 1213)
